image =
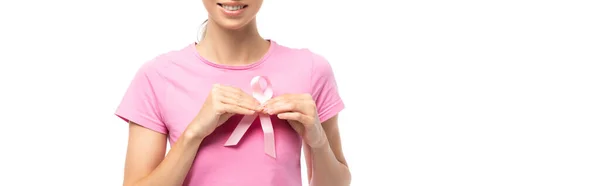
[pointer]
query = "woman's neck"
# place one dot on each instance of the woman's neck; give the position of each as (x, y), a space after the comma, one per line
(232, 47)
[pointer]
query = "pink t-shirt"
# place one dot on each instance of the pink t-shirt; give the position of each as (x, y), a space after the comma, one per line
(168, 91)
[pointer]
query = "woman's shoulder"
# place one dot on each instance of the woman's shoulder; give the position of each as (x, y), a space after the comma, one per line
(304, 54)
(161, 61)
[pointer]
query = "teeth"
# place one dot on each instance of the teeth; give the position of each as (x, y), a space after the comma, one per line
(232, 8)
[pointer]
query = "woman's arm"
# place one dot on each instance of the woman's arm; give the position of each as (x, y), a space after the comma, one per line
(327, 165)
(146, 164)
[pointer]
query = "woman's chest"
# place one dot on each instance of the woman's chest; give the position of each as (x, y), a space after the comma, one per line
(186, 96)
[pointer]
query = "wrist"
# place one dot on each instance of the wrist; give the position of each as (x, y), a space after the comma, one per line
(322, 143)
(321, 149)
(193, 135)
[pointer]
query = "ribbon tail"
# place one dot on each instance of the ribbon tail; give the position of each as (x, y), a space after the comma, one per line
(269, 137)
(240, 130)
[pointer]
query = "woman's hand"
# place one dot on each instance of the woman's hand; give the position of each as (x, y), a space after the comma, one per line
(222, 103)
(301, 112)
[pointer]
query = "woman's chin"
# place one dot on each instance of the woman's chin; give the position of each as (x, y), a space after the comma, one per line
(232, 24)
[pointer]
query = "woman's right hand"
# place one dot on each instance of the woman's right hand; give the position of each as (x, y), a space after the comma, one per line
(222, 103)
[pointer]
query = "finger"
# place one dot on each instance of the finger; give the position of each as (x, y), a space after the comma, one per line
(283, 106)
(296, 116)
(240, 98)
(307, 96)
(233, 109)
(235, 102)
(282, 98)
(303, 106)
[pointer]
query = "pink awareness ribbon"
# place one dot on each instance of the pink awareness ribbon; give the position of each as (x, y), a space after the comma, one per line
(262, 95)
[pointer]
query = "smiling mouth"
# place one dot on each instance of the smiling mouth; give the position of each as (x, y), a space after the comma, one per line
(232, 8)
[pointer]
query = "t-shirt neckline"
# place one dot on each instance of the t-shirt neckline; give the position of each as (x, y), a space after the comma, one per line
(272, 46)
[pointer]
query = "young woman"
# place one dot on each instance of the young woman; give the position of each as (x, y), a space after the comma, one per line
(196, 96)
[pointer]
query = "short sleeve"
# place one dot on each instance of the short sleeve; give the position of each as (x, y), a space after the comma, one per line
(140, 102)
(324, 89)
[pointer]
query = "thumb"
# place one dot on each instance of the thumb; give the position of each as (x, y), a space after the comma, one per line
(223, 118)
(297, 126)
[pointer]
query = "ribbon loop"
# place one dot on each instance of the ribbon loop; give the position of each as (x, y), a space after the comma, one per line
(262, 94)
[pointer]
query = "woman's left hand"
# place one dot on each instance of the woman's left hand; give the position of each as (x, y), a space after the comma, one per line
(301, 112)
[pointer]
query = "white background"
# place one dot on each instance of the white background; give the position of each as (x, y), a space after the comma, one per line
(470, 93)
